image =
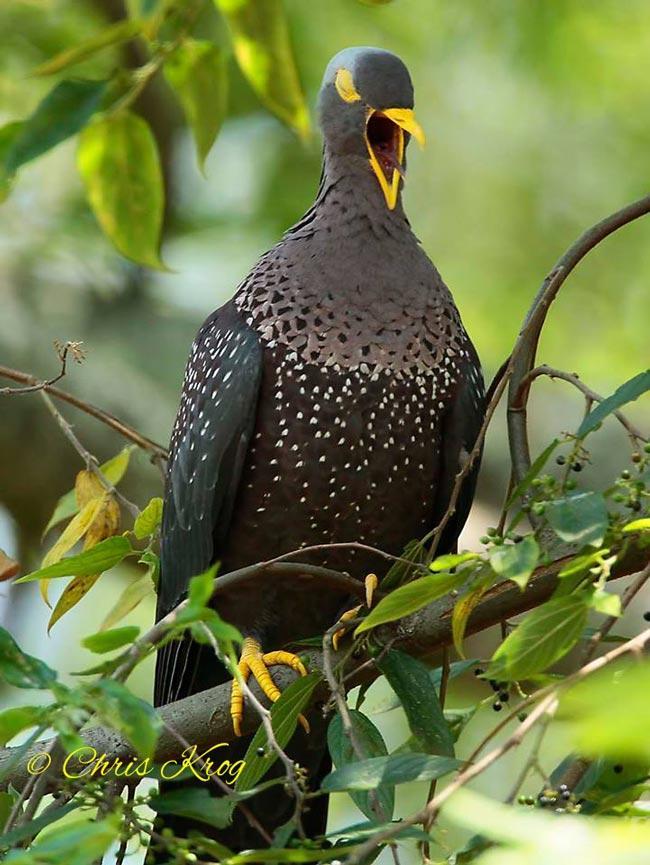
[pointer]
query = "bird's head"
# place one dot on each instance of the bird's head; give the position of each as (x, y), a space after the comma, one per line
(366, 110)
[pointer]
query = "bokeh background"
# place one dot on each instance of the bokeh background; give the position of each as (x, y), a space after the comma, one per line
(537, 121)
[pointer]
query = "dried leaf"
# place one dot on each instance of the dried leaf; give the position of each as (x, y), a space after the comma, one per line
(8, 567)
(72, 594)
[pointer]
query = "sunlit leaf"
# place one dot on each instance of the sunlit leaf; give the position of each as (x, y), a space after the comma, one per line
(260, 38)
(63, 112)
(116, 33)
(409, 598)
(627, 392)
(148, 520)
(197, 71)
(135, 592)
(516, 562)
(20, 669)
(107, 641)
(451, 560)
(544, 636)
(73, 532)
(391, 770)
(100, 558)
(411, 681)
(606, 603)
(113, 470)
(118, 162)
(642, 525)
(579, 519)
(371, 744)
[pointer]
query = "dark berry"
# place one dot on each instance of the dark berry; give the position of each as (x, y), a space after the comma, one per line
(646, 615)
(497, 706)
(522, 716)
(565, 794)
(560, 460)
(577, 467)
(479, 671)
(618, 768)
(504, 696)
(260, 752)
(636, 457)
(625, 474)
(494, 685)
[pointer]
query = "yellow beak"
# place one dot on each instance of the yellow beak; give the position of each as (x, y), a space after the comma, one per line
(389, 175)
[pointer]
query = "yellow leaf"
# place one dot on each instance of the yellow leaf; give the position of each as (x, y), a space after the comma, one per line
(8, 567)
(105, 524)
(87, 486)
(128, 600)
(464, 608)
(72, 533)
(72, 594)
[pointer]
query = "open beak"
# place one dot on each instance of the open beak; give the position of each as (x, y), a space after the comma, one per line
(385, 142)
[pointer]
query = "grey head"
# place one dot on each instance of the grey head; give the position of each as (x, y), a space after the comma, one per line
(366, 112)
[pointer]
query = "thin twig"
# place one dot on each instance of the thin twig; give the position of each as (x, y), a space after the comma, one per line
(92, 464)
(546, 706)
(158, 452)
(591, 396)
(63, 351)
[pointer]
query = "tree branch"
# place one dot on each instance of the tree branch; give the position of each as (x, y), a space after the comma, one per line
(204, 718)
(157, 451)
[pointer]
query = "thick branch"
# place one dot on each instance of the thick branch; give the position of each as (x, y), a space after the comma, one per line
(204, 718)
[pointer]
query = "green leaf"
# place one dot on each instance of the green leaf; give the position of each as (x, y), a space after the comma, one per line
(532, 472)
(149, 519)
(119, 32)
(579, 519)
(30, 830)
(260, 36)
(606, 715)
(106, 641)
(113, 470)
(409, 598)
(103, 556)
(195, 803)
(606, 603)
(63, 112)
(582, 563)
(8, 134)
(399, 572)
(118, 162)
(134, 718)
(73, 843)
(371, 744)
(544, 636)
(627, 392)
(284, 718)
(202, 587)
(516, 562)
(451, 560)
(391, 770)
(22, 670)
(17, 719)
(135, 592)
(197, 71)
(411, 681)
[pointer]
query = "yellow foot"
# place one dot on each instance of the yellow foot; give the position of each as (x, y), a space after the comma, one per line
(254, 660)
(371, 582)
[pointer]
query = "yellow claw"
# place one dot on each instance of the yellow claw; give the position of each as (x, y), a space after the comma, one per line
(254, 661)
(345, 617)
(371, 582)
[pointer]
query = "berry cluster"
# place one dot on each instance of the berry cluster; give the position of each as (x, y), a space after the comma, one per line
(561, 800)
